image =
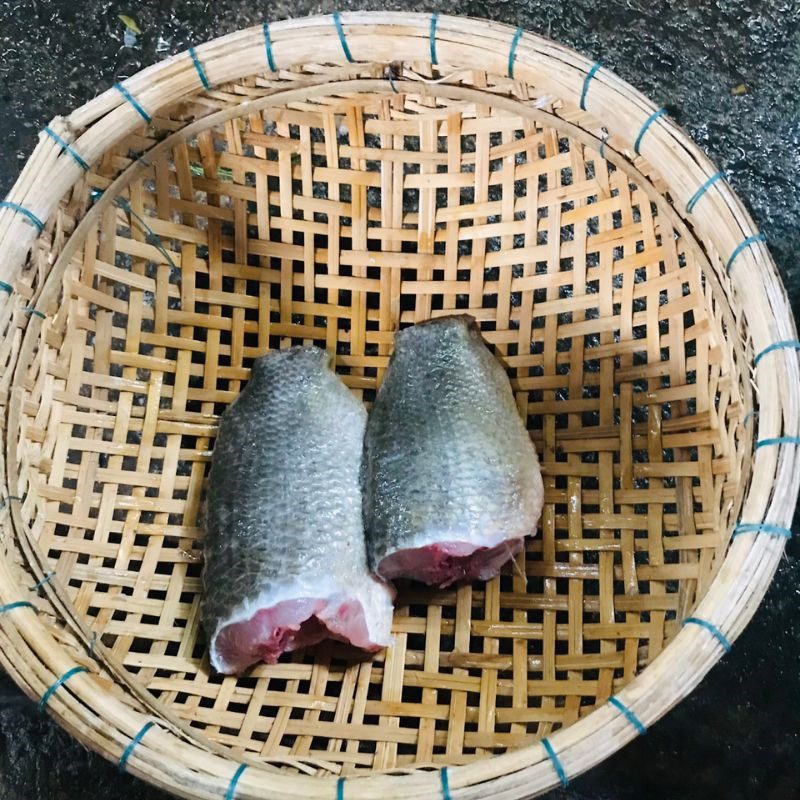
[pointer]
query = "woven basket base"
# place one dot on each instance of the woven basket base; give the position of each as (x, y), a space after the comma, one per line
(334, 222)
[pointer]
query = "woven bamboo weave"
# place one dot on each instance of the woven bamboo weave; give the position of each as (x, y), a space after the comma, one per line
(328, 181)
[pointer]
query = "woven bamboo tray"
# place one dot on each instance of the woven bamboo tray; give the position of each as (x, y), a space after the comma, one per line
(328, 180)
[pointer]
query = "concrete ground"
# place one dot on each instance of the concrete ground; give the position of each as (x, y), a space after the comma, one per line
(737, 736)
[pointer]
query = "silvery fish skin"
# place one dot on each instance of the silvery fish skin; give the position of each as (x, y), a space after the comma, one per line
(451, 478)
(285, 560)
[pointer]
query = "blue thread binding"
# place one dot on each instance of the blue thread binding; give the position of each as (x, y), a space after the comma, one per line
(29, 215)
(789, 344)
(34, 312)
(340, 789)
(18, 604)
(589, 75)
(434, 20)
(52, 690)
(337, 20)
(603, 145)
(133, 101)
(629, 715)
(47, 578)
(761, 527)
(748, 416)
(559, 767)
(445, 784)
(199, 67)
(131, 744)
(75, 155)
(647, 123)
(268, 46)
(231, 793)
(702, 190)
(712, 629)
(778, 440)
(512, 52)
(159, 245)
(6, 287)
(758, 237)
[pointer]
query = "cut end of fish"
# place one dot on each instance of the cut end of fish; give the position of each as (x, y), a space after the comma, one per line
(444, 563)
(448, 320)
(455, 324)
(361, 619)
(274, 361)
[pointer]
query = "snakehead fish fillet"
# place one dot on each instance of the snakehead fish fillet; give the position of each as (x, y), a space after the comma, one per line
(451, 478)
(285, 559)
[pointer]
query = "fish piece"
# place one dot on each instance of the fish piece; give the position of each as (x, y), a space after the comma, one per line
(285, 558)
(451, 478)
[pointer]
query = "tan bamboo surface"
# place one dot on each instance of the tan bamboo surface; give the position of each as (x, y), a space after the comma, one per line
(408, 168)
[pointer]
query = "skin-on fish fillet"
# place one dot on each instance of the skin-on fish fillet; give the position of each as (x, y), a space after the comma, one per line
(285, 560)
(451, 478)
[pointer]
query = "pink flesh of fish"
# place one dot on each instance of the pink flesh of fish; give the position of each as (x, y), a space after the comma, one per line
(290, 625)
(444, 563)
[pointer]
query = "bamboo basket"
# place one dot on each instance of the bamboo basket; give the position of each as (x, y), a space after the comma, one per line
(329, 180)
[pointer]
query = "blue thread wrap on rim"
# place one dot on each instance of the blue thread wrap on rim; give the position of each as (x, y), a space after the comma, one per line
(512, 51)
(17, 604)
(445, 780)
(340, 789)
(434, 20)
(29, 215)
(647, 123)
(788, 344)
(133, 101)
(199, 67)
(629, 715)
(589, 75)
(748, 416)
(126, 753)
(761, 527)
(693, 200)
(47, 578)
(268, 46)
(337, 21)
(71, 150)
(778, 440)
(559, 767)
(54, 688)
(34, 312)
(6, 287)
(231, 793)
(757, 237)
(712, 629)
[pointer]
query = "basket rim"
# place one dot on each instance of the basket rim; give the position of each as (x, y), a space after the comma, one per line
(750, 561)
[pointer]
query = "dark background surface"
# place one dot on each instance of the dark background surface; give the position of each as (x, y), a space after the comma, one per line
(728, 71)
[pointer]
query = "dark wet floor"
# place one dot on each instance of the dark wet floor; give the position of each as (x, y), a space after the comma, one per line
(728, 71)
